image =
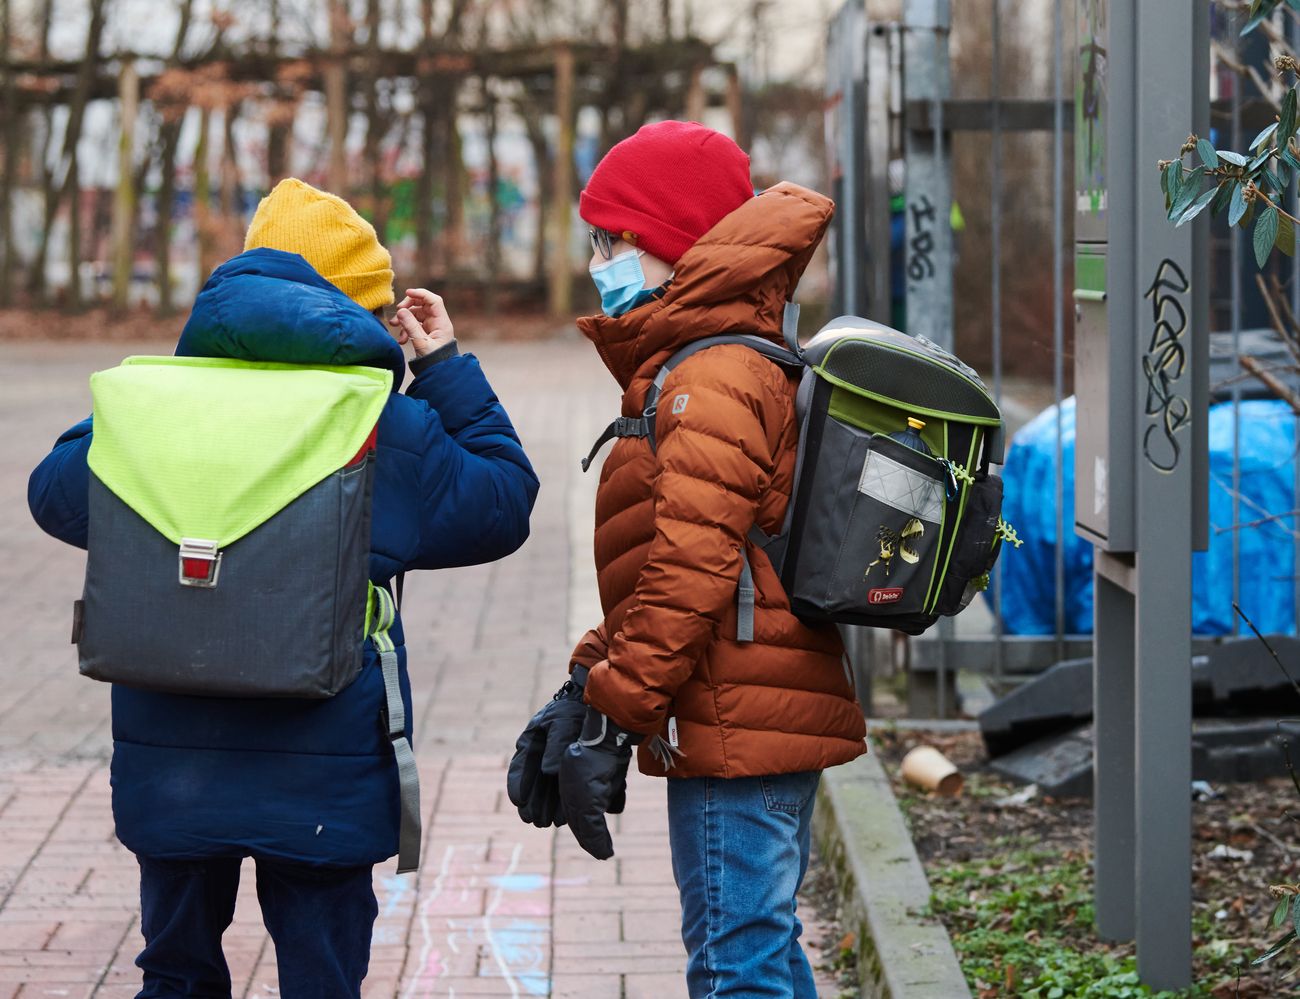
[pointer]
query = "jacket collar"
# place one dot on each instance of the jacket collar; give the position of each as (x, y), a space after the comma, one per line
(735, 279)
(267, 305)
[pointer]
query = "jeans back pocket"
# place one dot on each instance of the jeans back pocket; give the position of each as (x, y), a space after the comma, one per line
(790, 793)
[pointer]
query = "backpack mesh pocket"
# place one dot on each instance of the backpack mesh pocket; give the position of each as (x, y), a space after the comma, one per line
(977, 546)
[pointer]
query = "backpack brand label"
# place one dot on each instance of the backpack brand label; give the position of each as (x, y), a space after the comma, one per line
(884, 595)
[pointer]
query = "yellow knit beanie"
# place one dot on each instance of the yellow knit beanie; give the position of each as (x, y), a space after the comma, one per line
(327, 231)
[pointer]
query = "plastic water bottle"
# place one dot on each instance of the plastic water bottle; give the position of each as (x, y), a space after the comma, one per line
(911, 436)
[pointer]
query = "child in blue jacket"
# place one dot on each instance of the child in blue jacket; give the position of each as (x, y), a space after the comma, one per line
(308, 788)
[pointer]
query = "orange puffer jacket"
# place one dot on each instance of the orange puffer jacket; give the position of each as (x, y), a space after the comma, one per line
(670, 523)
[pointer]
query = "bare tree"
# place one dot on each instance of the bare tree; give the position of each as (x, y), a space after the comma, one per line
(336, 95)
(44, 169)
(531, 112)
(172, 117)
(231, 206)
(493, 254)
(278, 122)
(377, 121)
(126, 199)
(10, 120)
(56, 191)
(202, 195)
(526, 53)
(76, 115)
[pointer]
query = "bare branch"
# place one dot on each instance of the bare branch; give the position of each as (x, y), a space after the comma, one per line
(1287, 335)
(1285, 672)
(1261, 522)
(1275, 384)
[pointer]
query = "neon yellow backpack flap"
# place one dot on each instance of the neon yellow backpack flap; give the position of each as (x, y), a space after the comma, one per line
(229, 525)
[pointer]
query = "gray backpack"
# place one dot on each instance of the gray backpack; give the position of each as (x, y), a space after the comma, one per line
(895, 519)
(229, 538)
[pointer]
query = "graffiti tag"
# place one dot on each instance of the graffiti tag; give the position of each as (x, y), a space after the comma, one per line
(1163, 367)
(920, 261)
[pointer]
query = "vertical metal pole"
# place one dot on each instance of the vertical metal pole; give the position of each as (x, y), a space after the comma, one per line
(1106, 204)
(928, 253)
(879, 80)
(1113, 775)
(1236, 235)
(1154, 330)
(1166, 314)
(995, 198)
(1058, 323)
(945, 631)
(995, 267)
(1293, 36)
(928, 250)
(845, 85)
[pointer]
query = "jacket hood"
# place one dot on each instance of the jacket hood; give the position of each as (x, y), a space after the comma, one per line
(735, 279)
(268, 305)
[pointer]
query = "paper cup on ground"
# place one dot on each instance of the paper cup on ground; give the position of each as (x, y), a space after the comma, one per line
(929, 769)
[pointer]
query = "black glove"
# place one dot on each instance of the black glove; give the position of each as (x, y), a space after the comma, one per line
(532, 780)
(593, 781)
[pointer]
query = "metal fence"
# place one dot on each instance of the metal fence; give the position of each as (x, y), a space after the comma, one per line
(890, 123)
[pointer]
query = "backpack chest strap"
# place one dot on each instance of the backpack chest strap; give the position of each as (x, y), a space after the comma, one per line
(624, 426)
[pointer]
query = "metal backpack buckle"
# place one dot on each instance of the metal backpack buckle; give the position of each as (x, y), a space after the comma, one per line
(200, 563)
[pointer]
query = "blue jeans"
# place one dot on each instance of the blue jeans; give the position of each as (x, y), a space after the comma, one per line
(320, 920)
(740, 851)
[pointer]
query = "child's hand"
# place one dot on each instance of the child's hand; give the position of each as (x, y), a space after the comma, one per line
(422, 319)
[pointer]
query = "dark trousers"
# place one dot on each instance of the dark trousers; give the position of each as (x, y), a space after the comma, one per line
(320, 920)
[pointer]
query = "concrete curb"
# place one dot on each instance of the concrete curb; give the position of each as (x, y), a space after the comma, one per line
(860, 832)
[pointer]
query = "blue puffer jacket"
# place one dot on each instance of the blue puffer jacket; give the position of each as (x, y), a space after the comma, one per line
(309, 781)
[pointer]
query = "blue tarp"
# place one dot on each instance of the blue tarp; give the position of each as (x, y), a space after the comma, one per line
(1267, 550)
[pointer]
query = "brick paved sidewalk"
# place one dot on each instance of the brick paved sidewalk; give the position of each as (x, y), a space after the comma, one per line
(499, 908)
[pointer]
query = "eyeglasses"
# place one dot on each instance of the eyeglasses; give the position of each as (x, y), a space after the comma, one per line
(602, 242)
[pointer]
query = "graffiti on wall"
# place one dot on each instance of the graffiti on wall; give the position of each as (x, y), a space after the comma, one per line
(1163, 367)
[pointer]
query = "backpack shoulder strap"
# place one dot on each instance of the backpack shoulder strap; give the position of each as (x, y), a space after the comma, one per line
(625, 426)
(380, 615)
(790, 328)
(790, 357)
(781, 355)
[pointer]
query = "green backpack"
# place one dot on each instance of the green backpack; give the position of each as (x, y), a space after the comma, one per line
(895, 519)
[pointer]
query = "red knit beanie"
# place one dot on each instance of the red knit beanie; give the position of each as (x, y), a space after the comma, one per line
(667, 186)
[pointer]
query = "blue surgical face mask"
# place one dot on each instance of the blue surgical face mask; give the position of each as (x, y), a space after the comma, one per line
(620, 282)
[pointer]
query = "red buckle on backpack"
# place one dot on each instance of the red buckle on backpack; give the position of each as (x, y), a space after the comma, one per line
(200, 563)
(366, 448)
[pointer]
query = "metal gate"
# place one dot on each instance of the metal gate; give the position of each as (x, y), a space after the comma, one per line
(888, 141)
